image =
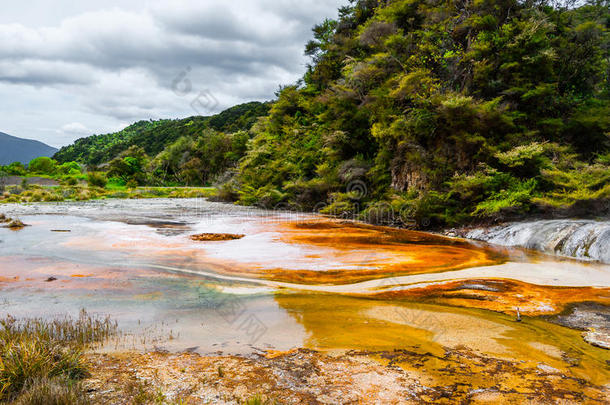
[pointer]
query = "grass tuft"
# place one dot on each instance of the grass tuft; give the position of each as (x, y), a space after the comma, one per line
(34, 351)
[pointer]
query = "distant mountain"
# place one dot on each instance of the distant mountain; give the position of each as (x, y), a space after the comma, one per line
(13, 149)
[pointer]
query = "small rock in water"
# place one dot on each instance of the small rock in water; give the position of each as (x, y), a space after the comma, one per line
(16, 224)
(452, 233)
(48, 280)
(598, 338)
(545, 368)
(213, 237)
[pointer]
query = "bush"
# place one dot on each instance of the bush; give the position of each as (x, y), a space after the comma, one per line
(343, 205)
(70, 181)
(69, 168)
(116, 182)
(97, 179)
(43, 165)
(15, 169)
(517, 199)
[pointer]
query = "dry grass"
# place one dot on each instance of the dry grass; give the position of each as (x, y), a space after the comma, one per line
(35, 352)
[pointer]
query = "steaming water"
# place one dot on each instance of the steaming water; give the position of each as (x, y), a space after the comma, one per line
(587, 240)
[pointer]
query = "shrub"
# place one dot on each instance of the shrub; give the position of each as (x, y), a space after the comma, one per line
(517, 198)
(70, 181)
(342, 205)
(116, 182)
(69, 168)
(15, 169)
(97, 179)
(42, 165)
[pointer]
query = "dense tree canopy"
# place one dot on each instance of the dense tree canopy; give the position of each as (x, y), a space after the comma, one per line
(446, 110)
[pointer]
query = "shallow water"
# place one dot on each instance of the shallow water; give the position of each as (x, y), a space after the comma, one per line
(292, 281)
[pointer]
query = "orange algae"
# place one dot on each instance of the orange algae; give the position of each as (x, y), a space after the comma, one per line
(354, 252)
(502, 295)
(371, 252)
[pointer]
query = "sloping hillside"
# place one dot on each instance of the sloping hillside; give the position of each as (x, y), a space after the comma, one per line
(13, 149)
(155, 136)
(446, 112)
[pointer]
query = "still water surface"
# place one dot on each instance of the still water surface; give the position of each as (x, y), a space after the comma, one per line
(292, 281)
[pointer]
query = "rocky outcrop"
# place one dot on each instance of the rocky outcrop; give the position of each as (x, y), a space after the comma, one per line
(407, 174)
(582, 239)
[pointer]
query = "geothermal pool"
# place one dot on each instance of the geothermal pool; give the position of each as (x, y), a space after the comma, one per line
(297, 280)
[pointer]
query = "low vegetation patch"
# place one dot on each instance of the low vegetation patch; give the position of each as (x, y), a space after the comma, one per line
(82, 192)
(42, 362)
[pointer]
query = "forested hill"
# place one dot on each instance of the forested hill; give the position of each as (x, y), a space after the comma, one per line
(154, 136)
(443, 111)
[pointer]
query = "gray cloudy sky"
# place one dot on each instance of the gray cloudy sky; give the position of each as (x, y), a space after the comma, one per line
(71, 68)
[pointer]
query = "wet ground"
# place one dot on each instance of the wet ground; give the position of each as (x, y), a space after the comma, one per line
(417, 302)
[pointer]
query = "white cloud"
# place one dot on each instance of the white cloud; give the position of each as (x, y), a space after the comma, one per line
(75, 128)
(114, 62)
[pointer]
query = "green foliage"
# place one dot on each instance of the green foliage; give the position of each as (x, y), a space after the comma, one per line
(516, 198)
(200, 160)
(53, 391)
(97, 179)
(114, 189)
(15, 169)
(42, 165)
(456, 112)
(446, 113)
(129, 166)
(154, 136)
(69, 181)
(69, 169)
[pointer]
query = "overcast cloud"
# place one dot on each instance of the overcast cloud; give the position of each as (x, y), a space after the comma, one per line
(69, 68)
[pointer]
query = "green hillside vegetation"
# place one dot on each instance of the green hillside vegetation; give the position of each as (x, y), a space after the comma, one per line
(443, 112)
(154, 136)
(193, 151)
